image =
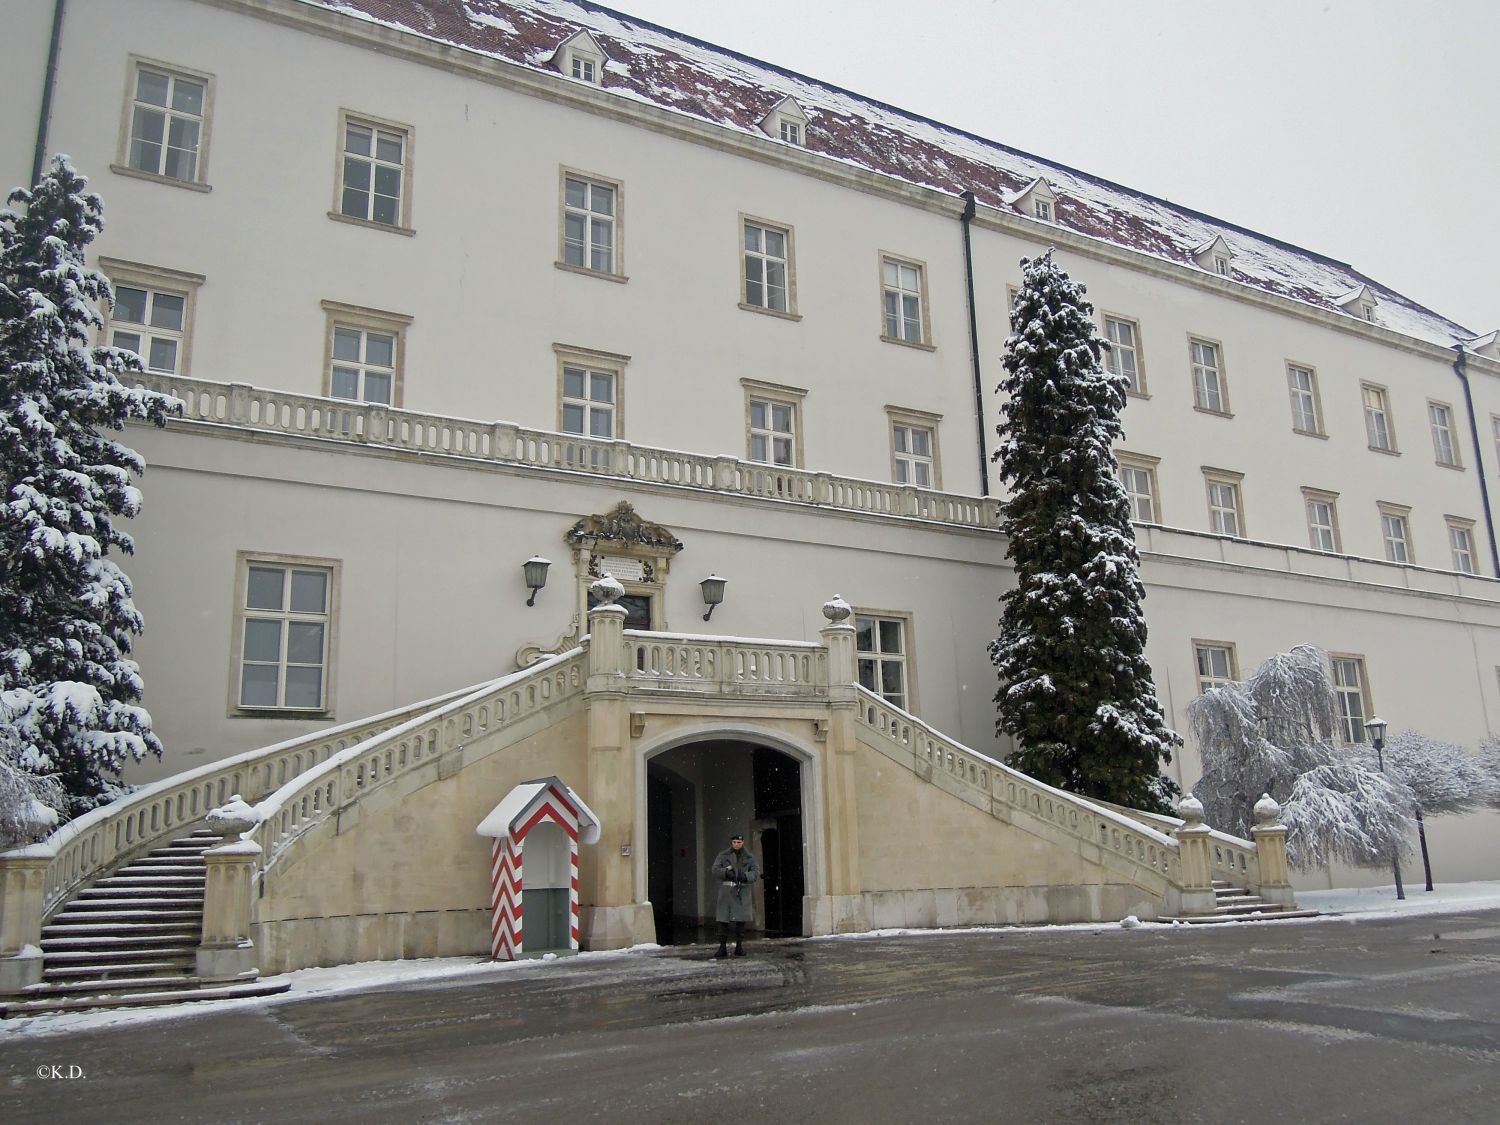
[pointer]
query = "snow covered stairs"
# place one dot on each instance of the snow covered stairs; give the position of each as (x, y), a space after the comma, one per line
(131, 938)
(1236, 904)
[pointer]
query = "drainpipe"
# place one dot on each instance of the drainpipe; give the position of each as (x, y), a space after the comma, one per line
(47, 84)
(1460, 368)
(979, 421)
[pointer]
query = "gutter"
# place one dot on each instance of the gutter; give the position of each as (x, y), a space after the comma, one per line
(964, 219)
(45, 117)
(1460, 368)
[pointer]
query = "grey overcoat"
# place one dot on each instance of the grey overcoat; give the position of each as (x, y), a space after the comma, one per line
(734, 874)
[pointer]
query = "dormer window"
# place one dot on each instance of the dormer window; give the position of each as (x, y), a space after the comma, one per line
(1215, 255)
(787, 122)
(581, 58)
(1359, 301)
(1036, 199)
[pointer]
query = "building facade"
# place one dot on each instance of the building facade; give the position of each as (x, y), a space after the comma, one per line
(462, 277)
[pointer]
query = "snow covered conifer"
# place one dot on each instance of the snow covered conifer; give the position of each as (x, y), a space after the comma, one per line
(66, 616)
(1075, 689)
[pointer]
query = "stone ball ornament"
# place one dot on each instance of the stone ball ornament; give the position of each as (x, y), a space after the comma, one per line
(1191, 810)
(607, 590)
(1267, 811)
(837, 610)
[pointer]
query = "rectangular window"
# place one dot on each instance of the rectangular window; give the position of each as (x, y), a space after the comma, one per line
(1461, 540)
(591, 217)
(903, 284)
(1378, 418)
(913, 447)
(1221, 265)
(767, 257)
(151, 314)
(1044, 210)
(167, 117)
(1440, 415)
(773, 423)
(1208, 377)
(284, 621)
(1138, 476)
(1322, 520)
(1495, 429)
(366, 354)
(588, 402)
(881, 649)
(1395, 531)
(1351, 695)
(583, 69)
(1225, 510)
(1217, 664)
(791, 132)
(1122, 357)
(1302, 385)
(373, 171)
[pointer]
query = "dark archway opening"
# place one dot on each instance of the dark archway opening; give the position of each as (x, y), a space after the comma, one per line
(699, 795)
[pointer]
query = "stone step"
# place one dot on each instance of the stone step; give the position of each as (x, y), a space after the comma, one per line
(124, 970)
(89, 986)
(1238, 900)
(160, 865)
(134, 900)
(102, 943)
(127, 877)
(141, 999)
(125, 915)
(111, 927)
(1217, 919)
(1258, 906)
(119, 954)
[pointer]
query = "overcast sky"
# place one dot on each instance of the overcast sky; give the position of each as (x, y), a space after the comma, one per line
(1367, 130)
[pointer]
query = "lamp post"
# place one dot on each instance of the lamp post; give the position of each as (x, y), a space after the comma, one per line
(1376, 727)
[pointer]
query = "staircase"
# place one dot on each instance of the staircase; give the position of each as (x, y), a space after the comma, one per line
(130, 939)
(1236, 904)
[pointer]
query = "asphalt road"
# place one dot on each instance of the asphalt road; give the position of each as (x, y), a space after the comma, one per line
(1337, 1020)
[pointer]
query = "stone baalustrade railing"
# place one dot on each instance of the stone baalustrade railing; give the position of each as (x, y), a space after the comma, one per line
(284, 412)
(726, 666)
(1004, 792)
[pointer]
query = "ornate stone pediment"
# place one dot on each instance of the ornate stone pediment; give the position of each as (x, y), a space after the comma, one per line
(622, 526)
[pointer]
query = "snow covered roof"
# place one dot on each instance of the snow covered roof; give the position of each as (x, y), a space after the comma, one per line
(506, 817)
(672, 71)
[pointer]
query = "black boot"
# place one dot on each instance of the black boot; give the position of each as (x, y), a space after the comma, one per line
(723, 952)
(739, 949)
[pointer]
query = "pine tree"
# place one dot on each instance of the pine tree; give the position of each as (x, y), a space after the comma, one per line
(67, 685)
(1075, 688)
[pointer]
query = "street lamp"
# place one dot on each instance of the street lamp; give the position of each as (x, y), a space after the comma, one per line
(1376, 727)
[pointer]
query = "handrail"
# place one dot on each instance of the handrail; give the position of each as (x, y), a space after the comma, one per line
(101, 837)
(239, 404)
(994, 781)
(344, 778)
(726, 665)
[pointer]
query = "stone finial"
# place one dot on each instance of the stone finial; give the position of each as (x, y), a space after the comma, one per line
(232, 818)
(1191, 810)
(836, 609)
(607, 590)
(1267, 811)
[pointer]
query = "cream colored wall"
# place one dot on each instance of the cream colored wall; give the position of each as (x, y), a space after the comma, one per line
(28, 32)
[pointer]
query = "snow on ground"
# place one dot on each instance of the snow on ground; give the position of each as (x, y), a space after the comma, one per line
(1361, 902)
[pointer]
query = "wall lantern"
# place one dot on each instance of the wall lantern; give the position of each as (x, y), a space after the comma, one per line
(535, 569)
(713, 593)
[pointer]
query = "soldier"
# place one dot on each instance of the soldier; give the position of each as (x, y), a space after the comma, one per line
(735, 869)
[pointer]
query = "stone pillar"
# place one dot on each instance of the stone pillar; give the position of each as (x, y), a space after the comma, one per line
(226, 951)
(843, 909)
(609, 918)
(1196, 895)
(23, 880)
(1270, 851)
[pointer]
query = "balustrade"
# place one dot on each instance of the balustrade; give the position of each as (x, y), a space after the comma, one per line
(737, 667)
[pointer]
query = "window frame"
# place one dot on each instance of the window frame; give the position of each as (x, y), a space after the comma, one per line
(914, 420)
(1341, 718)
(1456, 457)
(240, 613)
(1140, 463)
(924, 317)
(1329, 500)
(1402, 513)
(347, 117)
(616, 272)
(1314, 397)
(340, 315)
(906, 658)
(1223, 410)
(591, 360)
(1138, 389)
(1366, 388)
(1227, 478)
(742, 256)
(1462, 526)
(1203, 645)
(778, 394)
(158, 279)
(122, 165)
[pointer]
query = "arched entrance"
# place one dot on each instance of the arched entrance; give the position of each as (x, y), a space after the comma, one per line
(697, 796)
